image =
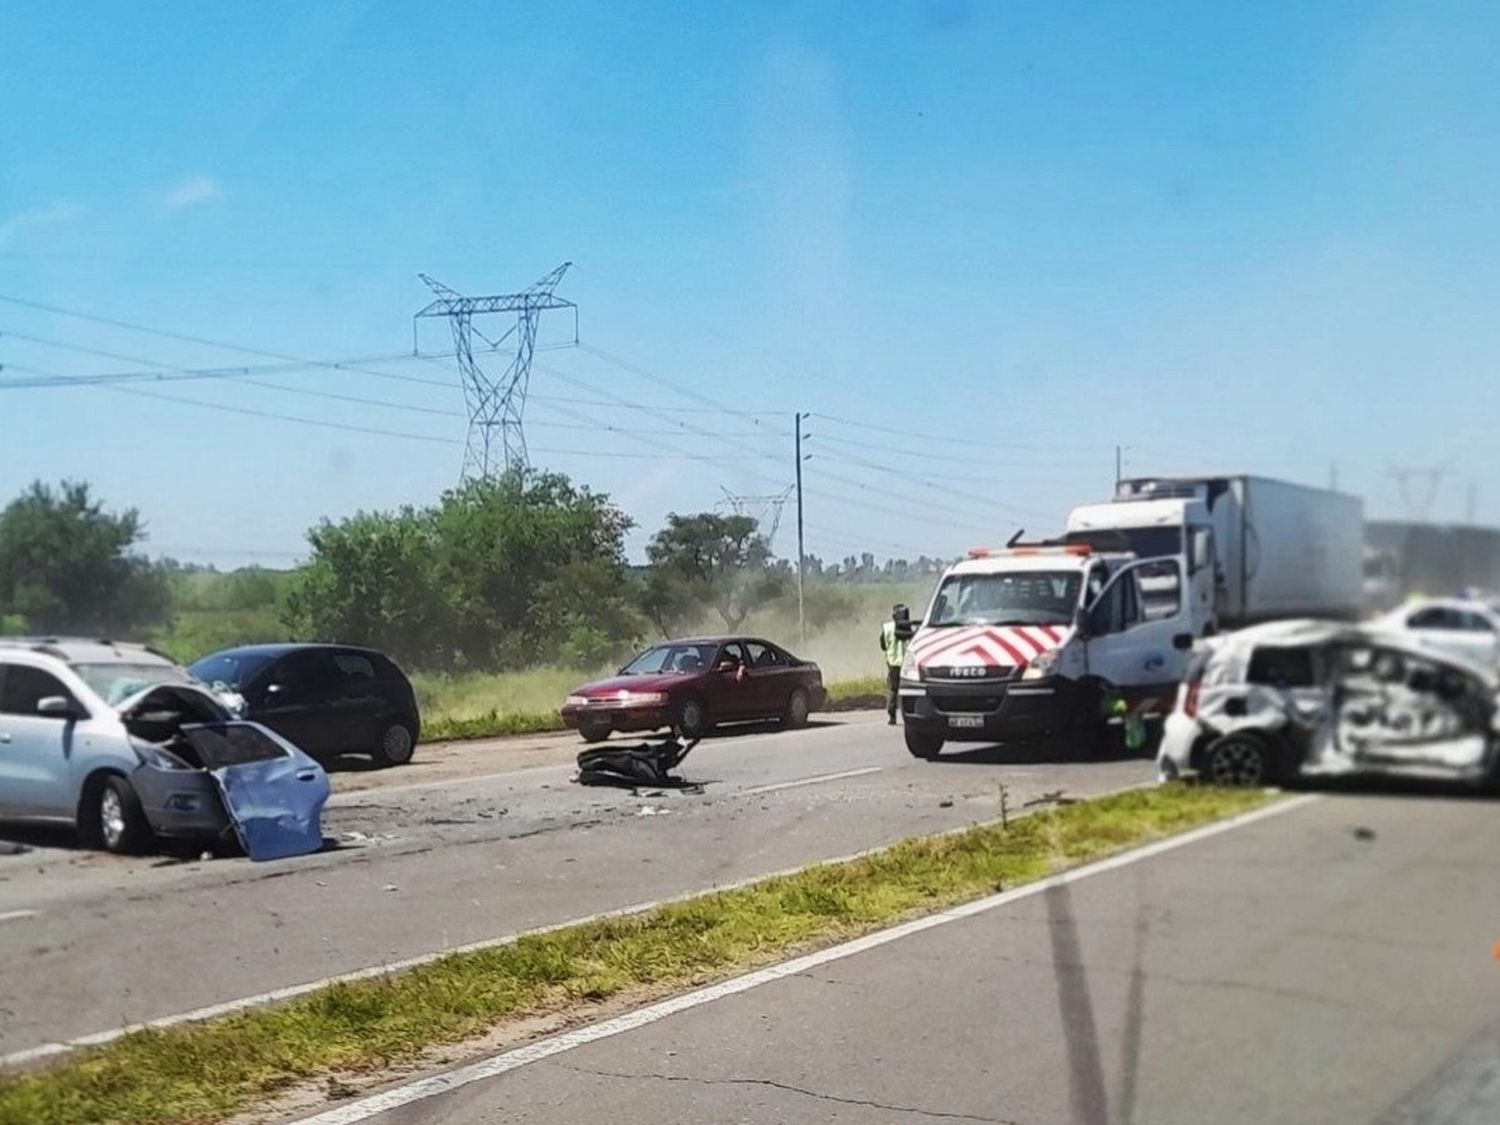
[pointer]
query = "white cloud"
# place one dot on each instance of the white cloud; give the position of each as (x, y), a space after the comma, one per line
(192, 192)
(49, 215)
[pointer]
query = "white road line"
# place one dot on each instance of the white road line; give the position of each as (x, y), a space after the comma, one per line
(810, 780)
(365, 1108)
(16, 915)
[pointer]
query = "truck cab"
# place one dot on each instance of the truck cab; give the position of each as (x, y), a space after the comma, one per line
(1035, 639)
(1176, 527)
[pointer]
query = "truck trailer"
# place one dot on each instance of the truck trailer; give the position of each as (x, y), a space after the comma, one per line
(1253, 549)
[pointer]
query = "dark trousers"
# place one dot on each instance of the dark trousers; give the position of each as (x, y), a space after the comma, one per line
(892, 683)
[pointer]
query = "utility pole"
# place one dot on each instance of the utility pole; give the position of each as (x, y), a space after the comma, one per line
(1333, 476)
(1119, 465)
(801, 550)
(495, 403)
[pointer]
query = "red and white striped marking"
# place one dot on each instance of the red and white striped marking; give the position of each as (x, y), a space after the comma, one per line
(1009, 646)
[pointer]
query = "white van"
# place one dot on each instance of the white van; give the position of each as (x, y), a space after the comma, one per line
(1034, 639)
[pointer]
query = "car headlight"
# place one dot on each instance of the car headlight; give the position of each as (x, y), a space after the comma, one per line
(909, 668)
(577, 701)
(159, 759)
(640, 698)
(1040, 666)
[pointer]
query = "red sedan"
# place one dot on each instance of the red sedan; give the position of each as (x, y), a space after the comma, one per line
(691, 685)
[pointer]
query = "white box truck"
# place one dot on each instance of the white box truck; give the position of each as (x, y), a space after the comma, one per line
(1253, 549)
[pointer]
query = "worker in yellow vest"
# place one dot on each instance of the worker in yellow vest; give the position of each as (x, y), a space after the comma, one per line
(894, 635)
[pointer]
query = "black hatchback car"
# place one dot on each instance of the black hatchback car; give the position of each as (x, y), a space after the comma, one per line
(327, 699)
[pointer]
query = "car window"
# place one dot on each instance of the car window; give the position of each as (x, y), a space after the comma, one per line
(232, 744)
(733, 651)
(1434, 617)
(355, 665)
(310, 671)
(1282, 667)
(22, 687)
(1475, 623)
(764, 655)
(1159, 587)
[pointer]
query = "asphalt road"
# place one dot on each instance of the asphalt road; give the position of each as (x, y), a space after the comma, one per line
(1330, 964)
(475, 841)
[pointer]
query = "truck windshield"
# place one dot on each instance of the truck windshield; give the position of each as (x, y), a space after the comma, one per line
(1032, 597)
(1153, 542)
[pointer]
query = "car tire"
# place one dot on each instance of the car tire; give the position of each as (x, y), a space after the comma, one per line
(797, 708)
(112, 819)
(1242, 759)
(593, 732)
(397, 744)
(923, 745)
(692, 719)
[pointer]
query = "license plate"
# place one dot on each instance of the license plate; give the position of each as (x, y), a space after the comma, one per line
(970, 721)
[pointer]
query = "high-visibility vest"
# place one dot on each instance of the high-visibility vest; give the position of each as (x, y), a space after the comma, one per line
(893, 646)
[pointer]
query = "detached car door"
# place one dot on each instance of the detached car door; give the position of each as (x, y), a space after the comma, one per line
(273, 793)
(35, 750)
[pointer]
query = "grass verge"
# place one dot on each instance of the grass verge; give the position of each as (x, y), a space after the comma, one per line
(449, 709)
(206, 1072)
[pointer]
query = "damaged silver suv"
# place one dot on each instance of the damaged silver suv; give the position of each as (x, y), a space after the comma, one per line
(121, 743)
(1297, 699)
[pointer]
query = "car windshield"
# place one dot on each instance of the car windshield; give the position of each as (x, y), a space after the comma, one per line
(1032, 597)
(115, 681)
(229, 670)
(684, 659)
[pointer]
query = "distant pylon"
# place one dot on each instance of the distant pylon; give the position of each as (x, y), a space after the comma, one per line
(495, 404)
(763, 510)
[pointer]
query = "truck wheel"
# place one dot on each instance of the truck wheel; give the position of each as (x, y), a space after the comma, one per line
(692, 719)
(1242, 759)
(923, 745)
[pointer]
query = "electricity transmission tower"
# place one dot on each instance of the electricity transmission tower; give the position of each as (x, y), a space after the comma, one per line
(1419, 505)
(764, 510)
(496, 403)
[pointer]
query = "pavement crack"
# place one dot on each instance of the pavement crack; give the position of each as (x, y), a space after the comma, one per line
(771, 1083)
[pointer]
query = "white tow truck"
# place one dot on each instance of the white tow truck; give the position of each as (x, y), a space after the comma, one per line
(1033, 639)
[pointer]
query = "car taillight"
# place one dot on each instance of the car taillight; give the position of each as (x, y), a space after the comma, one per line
(1190, 698)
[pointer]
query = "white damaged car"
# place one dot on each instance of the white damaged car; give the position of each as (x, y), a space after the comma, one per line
(120, 743)
(1319, 698)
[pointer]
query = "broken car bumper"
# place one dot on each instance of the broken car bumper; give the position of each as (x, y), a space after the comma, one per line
(180, 803)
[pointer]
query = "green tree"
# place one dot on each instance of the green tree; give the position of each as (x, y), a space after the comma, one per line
(67, 565)
(708, 560)
(499, 574)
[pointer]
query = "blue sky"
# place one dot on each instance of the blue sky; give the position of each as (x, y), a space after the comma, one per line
(1240, 237)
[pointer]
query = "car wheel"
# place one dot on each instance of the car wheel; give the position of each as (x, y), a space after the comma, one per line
(594, 732)
(1239, 760)
(397, 743)
(923, 745)
(114, 820)
(692, 719)
(796, 710)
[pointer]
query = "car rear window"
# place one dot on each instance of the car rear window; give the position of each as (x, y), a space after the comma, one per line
(1282, 667)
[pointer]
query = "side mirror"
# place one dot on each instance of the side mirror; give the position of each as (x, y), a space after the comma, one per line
(1182, 642)
(57, 707)
(1081, 623)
